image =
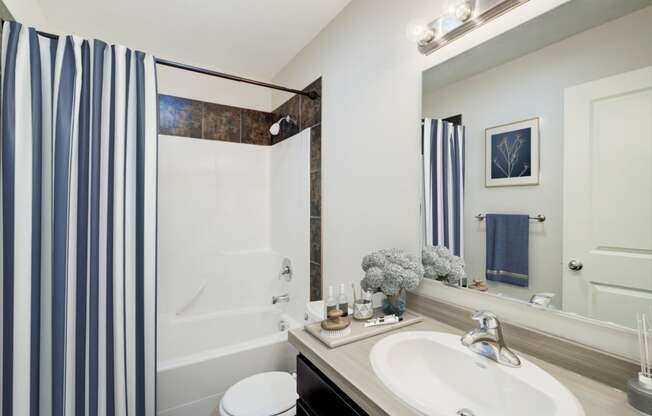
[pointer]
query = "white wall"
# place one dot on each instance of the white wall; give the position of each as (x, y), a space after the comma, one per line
(290, 191)
(518, 90)
(30, 13)
(181, 83)
(371, 89)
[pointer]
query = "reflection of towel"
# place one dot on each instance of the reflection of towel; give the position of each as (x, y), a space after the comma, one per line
(507, 249)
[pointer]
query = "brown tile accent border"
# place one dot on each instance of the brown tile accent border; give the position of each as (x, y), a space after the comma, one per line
(310, 117)
(292, 108)
(315, 149)
(316, 270)
(315, 281)
(315, 194)
(180, 116)
(222, 122)
(310, 110)
(570, 355)
(255, 127)
(306, 111)
(211, 121)
(315, 243)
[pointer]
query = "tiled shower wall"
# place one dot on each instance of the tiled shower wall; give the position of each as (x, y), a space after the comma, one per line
(210, 121)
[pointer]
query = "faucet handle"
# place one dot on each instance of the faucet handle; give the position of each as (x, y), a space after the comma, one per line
(541, 299)
(486, 319)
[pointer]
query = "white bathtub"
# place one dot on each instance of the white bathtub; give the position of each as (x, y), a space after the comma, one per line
(199, 357)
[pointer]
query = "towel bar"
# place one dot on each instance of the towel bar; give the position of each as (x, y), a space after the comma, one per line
(539, 217)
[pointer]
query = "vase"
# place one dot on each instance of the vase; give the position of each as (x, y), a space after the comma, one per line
(395, 304)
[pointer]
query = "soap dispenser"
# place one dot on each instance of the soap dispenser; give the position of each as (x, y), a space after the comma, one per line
(343, 301)
(330, 302)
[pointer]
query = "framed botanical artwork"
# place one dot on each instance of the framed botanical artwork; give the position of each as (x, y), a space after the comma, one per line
(512, 154)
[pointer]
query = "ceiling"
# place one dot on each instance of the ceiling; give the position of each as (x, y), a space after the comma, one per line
(254, 38)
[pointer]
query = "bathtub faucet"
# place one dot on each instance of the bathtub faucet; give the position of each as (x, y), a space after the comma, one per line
(282, 298)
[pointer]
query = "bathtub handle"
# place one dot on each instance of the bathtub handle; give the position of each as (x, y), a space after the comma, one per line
(193, 299)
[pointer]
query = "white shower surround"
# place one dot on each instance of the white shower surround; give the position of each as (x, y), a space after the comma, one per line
(228, 214)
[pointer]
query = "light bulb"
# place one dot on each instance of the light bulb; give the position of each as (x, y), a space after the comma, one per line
(419, 32)
(463, 11)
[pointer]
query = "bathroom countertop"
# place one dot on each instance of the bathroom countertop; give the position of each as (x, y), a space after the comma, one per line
(348, 366)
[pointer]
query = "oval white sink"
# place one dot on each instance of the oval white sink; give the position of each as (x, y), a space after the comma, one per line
(434, 374)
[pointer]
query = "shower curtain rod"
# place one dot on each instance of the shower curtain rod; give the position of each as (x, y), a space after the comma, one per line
(313, 95)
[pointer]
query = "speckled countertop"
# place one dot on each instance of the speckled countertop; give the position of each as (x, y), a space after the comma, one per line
(348, 366)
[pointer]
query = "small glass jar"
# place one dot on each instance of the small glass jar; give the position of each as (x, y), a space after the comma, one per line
(363, 309)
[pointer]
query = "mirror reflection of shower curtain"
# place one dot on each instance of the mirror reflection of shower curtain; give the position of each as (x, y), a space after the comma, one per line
(443, 181)
(78, 225)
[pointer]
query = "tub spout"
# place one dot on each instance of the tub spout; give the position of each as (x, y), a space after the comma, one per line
(282, 298)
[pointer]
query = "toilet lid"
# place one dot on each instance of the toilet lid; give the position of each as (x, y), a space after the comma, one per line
(261, 394)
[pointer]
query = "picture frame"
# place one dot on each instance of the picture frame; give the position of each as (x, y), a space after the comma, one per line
(512, 154)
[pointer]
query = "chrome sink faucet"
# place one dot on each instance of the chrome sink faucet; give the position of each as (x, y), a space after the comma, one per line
(488, 341)
(282, 298)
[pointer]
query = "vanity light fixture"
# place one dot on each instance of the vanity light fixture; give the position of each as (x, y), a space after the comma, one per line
(461, 16)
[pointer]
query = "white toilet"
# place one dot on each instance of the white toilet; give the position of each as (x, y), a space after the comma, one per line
(265, 394)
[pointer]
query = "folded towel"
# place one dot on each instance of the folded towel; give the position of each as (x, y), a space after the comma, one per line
(507, 249)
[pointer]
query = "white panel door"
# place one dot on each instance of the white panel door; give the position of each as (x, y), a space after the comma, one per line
(608, 197)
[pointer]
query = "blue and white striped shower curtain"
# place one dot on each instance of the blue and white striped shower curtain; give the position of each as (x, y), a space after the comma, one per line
(443, 180)
(78, 225)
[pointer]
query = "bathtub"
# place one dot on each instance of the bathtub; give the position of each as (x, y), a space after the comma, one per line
(200, 356)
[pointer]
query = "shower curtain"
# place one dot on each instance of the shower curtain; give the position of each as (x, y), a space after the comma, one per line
(443, 180)
(78, 224)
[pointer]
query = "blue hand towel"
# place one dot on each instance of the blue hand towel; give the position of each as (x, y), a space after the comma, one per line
(507, 249)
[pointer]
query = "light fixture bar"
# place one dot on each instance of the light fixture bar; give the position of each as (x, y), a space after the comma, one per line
(486, 16)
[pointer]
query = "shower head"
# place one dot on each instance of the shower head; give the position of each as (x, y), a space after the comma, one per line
(276, 127)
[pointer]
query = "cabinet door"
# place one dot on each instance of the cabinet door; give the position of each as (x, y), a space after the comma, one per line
(320, 395)
(302, 409)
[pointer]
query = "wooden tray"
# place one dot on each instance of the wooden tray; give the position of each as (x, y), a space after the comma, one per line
(359, 331)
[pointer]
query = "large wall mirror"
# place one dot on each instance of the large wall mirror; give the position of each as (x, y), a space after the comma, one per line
(537, 163)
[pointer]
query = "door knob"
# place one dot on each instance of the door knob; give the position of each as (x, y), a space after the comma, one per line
(575, 265)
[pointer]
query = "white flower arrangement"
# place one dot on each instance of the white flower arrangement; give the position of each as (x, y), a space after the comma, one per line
(440, 264)
(391, 271)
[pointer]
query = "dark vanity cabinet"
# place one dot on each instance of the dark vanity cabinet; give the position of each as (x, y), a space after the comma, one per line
(319, 396)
